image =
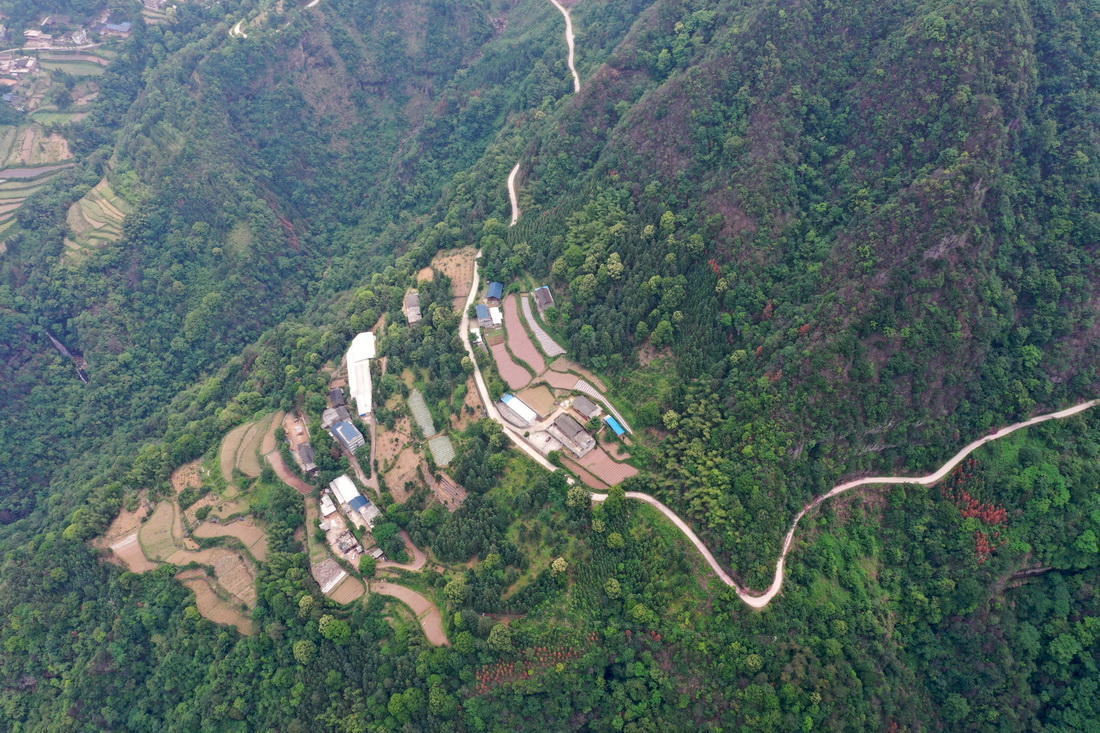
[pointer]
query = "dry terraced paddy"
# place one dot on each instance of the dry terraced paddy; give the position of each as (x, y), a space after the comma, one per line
(213, 606)
(96, 219)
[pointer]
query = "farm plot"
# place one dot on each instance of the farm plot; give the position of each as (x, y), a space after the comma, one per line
(211, 605)
(157, 537)
(251, 535)
(328, 574)
(228, 455)
(349, 589)
(457, 264)
(248, 454)
(518, 340)
(443, 451)
(604, 468)
(129, 553)
(420, 412)
(515, 375)
(540, 399)
(405, 469)
(235, 573)
(96, 219)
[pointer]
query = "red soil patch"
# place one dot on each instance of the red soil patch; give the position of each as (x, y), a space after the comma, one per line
(585, 475)
(603, 467)
(516, 376)
(518, 340)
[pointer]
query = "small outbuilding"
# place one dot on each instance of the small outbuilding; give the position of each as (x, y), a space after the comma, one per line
(544, 299)
(496, 292)
(308, 458)
(615, 426)
(336, 396)
(496, 317)
(412, 307)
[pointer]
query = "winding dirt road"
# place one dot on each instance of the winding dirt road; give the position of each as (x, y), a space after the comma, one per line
(762, 600)
(426, 612)
(512, 195)
(569, 37)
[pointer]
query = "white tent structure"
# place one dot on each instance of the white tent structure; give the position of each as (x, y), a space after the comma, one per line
(359, 385)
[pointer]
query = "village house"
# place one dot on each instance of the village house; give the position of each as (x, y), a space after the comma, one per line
(483, 318)
(333, 415)
(586, 408)
(571, 435)
(308, 457)
(336, 396)
(496, 292)
(349, 436)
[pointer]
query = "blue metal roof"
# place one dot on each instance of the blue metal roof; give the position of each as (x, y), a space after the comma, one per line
(482, 311)
(347, 431)
(614, 425)
(496, 290)
(358, 503)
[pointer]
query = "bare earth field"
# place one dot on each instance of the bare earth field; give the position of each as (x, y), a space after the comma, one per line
(187, 476)
(128, 551)
(600, 464)
(407, 468)
(518, 340)
(228, 455)
(349, 590)
(457, 264)
(250, 535)
(515, 375)
(586, 476)
(211, 605)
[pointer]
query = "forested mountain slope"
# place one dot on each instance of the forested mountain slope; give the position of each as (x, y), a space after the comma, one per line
(800, 240)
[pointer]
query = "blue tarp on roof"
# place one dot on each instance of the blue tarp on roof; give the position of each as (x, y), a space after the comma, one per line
(358, 503)
(496, 290)
(614, 425)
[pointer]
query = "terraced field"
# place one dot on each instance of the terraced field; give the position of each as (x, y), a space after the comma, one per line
(96, 219)
(28, 159)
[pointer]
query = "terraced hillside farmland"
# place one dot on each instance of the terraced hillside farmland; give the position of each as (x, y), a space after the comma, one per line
(96, 219)
(29, 158)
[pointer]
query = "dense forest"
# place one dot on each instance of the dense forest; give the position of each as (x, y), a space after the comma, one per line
(799, 240)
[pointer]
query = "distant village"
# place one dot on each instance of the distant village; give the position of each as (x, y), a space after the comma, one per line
(54, 33)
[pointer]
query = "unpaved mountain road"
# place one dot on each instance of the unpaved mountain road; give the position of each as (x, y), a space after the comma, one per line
(569, 39)
(762, 600)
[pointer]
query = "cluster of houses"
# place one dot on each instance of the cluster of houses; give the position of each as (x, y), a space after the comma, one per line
(565, 429)
(59, 31)
(342, 500)
(488, 313)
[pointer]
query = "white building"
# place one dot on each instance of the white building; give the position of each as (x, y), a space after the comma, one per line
(520, 408)
(494, 313)
(327, 507)
(344, 489)
(359, 384)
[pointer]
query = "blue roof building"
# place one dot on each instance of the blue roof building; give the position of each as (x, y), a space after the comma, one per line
(614, 425)
(496, 291)
(484, 319)
(349, 436)
(358, 503)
